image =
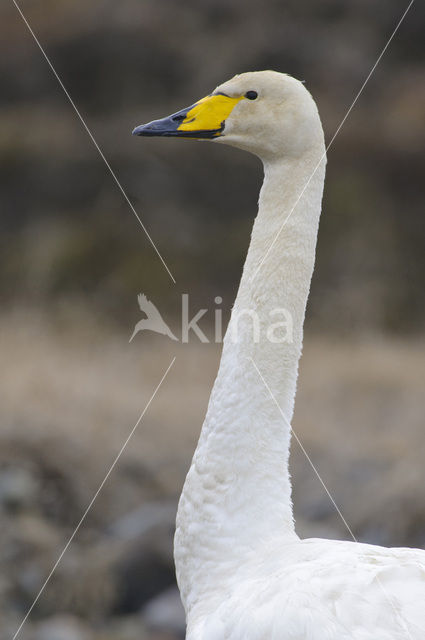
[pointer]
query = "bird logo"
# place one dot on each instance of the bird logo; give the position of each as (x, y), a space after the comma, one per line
(153, 320)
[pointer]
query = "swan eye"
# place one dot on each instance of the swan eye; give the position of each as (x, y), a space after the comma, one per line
(251, 95)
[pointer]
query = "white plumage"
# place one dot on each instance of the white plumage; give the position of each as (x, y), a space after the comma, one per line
(243, 572)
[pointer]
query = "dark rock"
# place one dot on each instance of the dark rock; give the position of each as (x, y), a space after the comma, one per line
(60, 628)
(145, 567)
(18, 489)
(166, 613)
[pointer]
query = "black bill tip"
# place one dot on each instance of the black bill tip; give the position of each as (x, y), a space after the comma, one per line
(149, 130)
(170, 127)
(163, 127)
(138, 131)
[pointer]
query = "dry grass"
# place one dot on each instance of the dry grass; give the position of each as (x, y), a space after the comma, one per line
(72, 389)
(77, 384)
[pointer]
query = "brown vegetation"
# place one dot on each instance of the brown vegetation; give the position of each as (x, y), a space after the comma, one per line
(66, 229)
(72, 390)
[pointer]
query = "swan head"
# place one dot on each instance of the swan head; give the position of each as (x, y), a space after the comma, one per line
(267, 113)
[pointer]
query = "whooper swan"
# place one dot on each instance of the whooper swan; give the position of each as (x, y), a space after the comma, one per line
(242, 571)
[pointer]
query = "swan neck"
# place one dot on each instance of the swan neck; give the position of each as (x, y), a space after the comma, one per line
(268, 315)
(237, 494)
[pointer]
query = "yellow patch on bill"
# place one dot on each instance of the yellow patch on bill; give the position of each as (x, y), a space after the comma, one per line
(209, 113)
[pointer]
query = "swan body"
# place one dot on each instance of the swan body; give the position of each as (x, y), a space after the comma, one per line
(317, 590)
(242, 571)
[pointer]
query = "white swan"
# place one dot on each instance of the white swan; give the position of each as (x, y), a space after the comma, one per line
(243, 572)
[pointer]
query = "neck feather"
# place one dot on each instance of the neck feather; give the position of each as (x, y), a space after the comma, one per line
(238, 492)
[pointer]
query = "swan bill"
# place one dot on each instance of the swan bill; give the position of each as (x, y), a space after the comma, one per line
(203, 120)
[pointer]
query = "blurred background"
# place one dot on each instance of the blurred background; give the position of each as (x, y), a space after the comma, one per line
(74, 257)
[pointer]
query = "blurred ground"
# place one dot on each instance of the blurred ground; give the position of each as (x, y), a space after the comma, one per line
(71, 391)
